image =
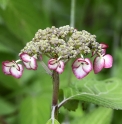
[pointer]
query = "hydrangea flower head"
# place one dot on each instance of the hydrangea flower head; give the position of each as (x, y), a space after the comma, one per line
(61, 45)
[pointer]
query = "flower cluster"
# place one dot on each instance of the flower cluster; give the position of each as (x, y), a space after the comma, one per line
(60, 45)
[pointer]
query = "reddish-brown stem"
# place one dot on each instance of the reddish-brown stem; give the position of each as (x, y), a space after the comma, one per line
(55, 76)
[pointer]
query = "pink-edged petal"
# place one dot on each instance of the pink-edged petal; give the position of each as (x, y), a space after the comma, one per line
(98, 64)
(79, 72)
(103, 51)
(21, 67)
(33, 63)
(7, 63)
(108, 61)
(6, 70)
(78, 62)
(16, 65)
(14, 72)
(27, 65)
(10, 64)
(87, 67)
(104, 46)
(60, 67)
(52, 64)
(25, 57)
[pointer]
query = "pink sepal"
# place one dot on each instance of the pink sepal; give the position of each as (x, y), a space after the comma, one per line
(87, 67)
(103, 52)
(56, 65)
(108, 61)
(79, 72)
(104, 46)
(25, 57)
(78, 62)
(31, 65)
(60, 67)
(81, 67)
(52, 64)
(29, 62)
(5, 69)
(27, 65)
(9, 64)
(14, 72)
(98, 64)
(101, 62)
(12, 68)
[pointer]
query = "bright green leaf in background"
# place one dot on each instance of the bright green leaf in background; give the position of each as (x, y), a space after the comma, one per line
(106, 93)
(3, 4)
(97, 116)
(9, 42)
(23, 19)
(72, 105)
(6, 107)
(35, 110)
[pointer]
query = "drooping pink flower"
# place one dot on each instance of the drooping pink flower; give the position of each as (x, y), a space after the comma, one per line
(12, 68)
(104, 47)
(56, 65)
(29, 62)
(103, 61)
(81, 67)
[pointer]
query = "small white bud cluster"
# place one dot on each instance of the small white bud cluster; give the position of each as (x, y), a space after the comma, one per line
(65, 42)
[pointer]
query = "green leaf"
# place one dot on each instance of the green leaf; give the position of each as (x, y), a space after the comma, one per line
(99, 115)
(23, 19)
(3, 4)
(6, 107)
(9, 43)
(51, 121)
(72, 105)
(35, 110)
(106, 93)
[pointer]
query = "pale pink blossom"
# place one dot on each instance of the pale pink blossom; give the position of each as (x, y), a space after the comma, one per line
(102, 61)
(81, 67)
(104, 47)
(28, 61)
(57, 65)
(12, 68)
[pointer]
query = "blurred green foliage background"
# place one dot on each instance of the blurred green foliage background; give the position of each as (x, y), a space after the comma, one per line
(27, 100)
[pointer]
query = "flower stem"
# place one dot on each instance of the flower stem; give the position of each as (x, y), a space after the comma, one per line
(72, 14)
(72, 24)
(55, 76)
(46, 68)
